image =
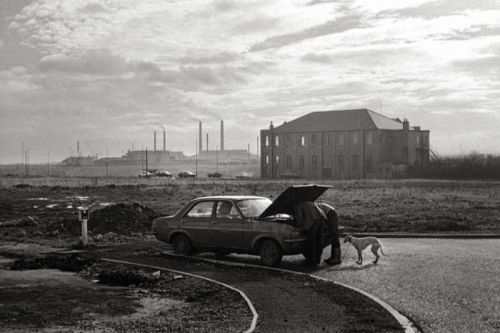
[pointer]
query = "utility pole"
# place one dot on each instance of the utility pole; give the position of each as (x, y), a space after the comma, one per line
(142, 158)
(28, 162)
(107, 163)
(196, 160)
(146, 159)
(248, 151)
(22, 156)
(48, 163)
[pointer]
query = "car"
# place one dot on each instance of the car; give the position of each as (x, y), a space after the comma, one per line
(241, 224)
(163, 173)
(145, 174)
(186, 174)
(244, 175)
(214, 175)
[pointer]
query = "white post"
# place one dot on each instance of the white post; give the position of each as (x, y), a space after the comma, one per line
(85, 239)
(83, 216)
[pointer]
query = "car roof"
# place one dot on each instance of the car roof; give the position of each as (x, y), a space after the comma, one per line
(230, 197)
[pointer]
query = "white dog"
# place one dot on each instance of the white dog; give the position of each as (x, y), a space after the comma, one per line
(362, 243)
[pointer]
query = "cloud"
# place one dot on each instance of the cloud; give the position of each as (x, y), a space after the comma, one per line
(341, 24)
(317, 58)
(225, 5)
(487, 65)
(435, 9)
(95, 62)
(222, 57)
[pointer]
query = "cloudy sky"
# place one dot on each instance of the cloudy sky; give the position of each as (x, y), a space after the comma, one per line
(110, 72)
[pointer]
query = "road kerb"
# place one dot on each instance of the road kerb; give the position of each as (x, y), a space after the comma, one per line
(255, 315)
(405, 323)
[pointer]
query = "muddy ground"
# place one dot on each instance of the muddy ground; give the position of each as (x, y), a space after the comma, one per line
(45, 294)
(121, 213)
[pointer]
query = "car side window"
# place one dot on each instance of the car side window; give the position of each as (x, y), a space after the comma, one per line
(226, 210)
(201, 209)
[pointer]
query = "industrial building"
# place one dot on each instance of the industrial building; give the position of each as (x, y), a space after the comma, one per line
(343, 144)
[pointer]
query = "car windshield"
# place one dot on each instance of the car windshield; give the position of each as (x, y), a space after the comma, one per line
(253, 207)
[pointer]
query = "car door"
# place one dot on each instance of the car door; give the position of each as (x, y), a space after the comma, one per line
(226, 229)
(196, 222)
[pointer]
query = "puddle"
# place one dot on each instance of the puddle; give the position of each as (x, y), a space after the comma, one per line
(39, 199)
(51, 205)
(78, 197)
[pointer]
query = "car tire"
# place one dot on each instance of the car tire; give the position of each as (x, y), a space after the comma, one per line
(182, 245)
(270, 253)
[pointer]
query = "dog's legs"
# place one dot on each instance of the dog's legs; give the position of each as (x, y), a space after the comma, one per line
(360, 257)
(375, 252)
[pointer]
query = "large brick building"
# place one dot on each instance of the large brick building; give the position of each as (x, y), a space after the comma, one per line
(343, 144)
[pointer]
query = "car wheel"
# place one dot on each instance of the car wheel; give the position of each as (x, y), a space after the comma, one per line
(182, 245)
(270, 253)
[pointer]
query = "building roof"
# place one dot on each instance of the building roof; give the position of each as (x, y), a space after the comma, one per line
(341, 120)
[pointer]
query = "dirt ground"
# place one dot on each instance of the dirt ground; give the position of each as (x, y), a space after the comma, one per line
(120, 213)
(106, 297)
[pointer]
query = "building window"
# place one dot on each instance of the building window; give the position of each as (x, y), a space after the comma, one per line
(369, 138)
(302, 141)
(277, 159)
(267, 159)
(288, 140)
(267, 140)
(355, 138)
(355, 162)
(340, 161)
(314, 162)
(288, 162)
(369, 163)
(327, 139)
(418, 140)
(276, 141)
(314, 139)
(301, 163)
(341, 139)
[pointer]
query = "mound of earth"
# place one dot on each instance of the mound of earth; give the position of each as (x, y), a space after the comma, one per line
(122, 219)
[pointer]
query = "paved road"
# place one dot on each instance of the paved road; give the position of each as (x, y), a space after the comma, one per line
(284, 302)
(444, 285)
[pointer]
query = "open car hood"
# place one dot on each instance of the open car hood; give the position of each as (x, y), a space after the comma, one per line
(286, 201)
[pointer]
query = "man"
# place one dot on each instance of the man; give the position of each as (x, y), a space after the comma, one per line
(309, 217)
(333, 230)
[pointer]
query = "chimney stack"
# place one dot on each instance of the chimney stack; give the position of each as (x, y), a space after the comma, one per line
(207, 144)
(222, 135)
(164, 141)
(200, 139)
(154, 143)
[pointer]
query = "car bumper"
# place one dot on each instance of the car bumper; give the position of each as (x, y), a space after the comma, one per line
(294, 245)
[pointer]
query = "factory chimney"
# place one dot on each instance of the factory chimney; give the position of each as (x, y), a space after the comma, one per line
(164, 141)
(207, 144)
(154, 143)
(222, 135)
(200, 139)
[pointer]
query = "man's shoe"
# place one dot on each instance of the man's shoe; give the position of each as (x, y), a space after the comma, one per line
(333, 261)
